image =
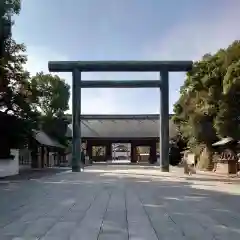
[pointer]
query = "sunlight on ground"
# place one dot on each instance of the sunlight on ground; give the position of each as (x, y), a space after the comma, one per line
(109, 174)
(153, 173)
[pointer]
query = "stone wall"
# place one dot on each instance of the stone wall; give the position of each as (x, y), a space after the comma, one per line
(10, 167)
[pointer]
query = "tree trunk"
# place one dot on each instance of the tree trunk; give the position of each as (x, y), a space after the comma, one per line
(205, 161)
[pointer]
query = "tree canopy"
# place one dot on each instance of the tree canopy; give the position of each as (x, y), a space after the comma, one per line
(52, 94)
(13, 78)
(27, 103)
(7, 9)
(50, 99)
(208, 107)
(15, 95)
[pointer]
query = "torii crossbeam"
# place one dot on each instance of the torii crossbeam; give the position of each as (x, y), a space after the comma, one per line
(164, 67)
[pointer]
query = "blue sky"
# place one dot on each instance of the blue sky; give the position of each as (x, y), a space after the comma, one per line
(124, 30)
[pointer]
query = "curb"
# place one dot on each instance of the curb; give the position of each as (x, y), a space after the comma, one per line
(234, 176)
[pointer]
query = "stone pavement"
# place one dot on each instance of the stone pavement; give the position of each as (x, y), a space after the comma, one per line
(29, 173)
(120, 202)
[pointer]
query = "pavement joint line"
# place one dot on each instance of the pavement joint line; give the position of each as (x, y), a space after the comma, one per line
(149, 219)
(215, 216)
(85, 212)
(126, 213)
(166, 213)
(104, 215)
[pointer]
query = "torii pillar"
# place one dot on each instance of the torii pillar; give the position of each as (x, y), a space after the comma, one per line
(164, 67)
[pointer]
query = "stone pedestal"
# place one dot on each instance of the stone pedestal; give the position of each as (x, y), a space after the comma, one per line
(10, 167)
(227, 167)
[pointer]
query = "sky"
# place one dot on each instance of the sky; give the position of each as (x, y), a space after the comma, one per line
(54, 30)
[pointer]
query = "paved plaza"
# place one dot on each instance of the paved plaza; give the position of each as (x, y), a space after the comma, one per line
(120, 202)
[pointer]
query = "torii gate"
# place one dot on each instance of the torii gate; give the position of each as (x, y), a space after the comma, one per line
(164, 67)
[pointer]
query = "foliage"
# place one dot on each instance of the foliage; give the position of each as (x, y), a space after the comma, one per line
(56, 128)
(13, 79)
(52, 94)
(208, 107)
(50, 99)
(7, 9)
(227, 121)
(15, 95)
(179, 142)
(25, 101)
(14, 91)
(8, 138)
(174, 155)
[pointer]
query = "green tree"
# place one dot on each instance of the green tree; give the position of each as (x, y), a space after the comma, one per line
(50, 98)
(208, 106)
(227, 121)
(52, 94)
(7, 9)
(14, 92)
(15, 95)
(11, 57)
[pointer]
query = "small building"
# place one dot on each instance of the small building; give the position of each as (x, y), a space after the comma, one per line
(42, 152)
(226, 156)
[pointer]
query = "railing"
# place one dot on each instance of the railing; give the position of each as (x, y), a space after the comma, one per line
(25, 157)
(225, 156)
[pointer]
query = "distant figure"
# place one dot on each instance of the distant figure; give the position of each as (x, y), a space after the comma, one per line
(191, 169)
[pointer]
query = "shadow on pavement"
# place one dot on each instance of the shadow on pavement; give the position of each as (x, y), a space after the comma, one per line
(172, 203)
(26, 174)
(188, 207)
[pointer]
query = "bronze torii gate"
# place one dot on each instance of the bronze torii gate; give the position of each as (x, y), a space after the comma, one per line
(164, 67)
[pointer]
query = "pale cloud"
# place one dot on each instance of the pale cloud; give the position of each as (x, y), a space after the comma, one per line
(185, 41)
(191, 40)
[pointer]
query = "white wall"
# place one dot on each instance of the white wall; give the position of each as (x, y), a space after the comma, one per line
(9, 167)
(190, 158)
